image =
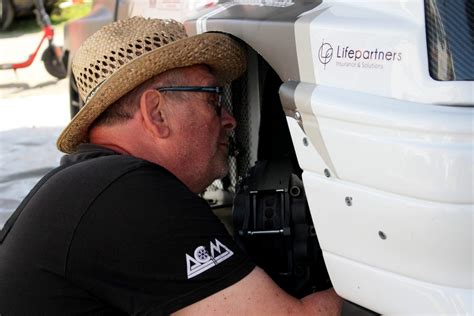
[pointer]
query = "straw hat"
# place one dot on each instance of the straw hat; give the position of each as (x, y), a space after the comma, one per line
(124, 54)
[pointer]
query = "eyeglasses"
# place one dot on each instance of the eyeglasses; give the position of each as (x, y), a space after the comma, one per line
(217, 91)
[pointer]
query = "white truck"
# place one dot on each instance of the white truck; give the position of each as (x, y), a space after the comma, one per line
(371, 104)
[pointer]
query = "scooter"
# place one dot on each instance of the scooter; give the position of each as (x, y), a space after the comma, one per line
(52, 55)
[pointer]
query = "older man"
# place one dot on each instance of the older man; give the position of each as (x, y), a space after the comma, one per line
(118, 227)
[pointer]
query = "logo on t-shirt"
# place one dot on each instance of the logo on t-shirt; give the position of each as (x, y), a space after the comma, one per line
(203, 260)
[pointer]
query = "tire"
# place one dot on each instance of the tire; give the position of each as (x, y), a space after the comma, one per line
(54, 65)
(75, 102)
(7, 14)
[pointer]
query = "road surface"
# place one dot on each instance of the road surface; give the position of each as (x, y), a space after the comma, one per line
(33, 110)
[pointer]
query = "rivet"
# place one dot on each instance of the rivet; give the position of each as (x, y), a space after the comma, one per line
(348, 200)
(382, 235)
(305, 141)
(327, 173)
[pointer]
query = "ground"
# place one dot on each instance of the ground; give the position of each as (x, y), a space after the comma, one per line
(34, 108)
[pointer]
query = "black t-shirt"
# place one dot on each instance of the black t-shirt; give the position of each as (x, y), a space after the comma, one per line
(107, 234)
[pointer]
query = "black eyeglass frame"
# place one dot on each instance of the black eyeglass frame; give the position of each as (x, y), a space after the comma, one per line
(217, 90)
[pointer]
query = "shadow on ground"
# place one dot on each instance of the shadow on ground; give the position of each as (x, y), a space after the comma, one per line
(21, 86)
(26, 155)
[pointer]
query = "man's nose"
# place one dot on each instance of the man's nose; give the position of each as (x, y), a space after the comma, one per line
(228, 122)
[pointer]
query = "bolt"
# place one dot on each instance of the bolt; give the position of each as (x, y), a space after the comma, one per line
(382, 235)
(295, 191)
(305, 141)
(297, 116)
(348, 200)
(327, 173)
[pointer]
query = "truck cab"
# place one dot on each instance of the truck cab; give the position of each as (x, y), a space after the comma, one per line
(354, 143)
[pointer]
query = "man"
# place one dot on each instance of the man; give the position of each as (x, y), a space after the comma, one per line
(118, 227)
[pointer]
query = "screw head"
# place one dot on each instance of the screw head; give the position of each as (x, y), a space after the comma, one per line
(348, 200)
(297, 116)
(382, 235)
(305, 141)
(327, 173)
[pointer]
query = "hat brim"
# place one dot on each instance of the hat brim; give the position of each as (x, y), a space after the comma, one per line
(223, 55)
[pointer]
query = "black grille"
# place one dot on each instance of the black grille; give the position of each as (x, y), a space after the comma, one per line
(235, 102)
(450, 36)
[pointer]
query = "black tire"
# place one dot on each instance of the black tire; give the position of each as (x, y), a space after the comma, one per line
(75, 102)
(54, 65)
(7, 14)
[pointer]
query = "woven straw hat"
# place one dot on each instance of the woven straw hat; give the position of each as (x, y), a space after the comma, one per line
(124, 54)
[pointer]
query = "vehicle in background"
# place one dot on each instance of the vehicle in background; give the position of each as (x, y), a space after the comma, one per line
(355, 140)
(11, 9)
(52, 56)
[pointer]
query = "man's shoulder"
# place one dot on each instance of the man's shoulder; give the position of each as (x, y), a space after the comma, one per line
(125, 182)
(118, 178)
(106, 169)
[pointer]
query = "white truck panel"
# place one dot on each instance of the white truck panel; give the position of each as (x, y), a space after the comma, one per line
(393, 294)
(375, 47)
(405, 238)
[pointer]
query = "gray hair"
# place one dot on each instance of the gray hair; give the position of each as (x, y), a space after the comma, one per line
(125, 108)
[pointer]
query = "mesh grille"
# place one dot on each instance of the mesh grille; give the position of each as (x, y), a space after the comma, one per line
(243, 131)
(450, 36)
(235, 102)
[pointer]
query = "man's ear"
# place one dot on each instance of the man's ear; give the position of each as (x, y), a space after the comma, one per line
(152, 110)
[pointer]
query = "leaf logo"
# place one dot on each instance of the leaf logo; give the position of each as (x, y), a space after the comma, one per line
(325, 53)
